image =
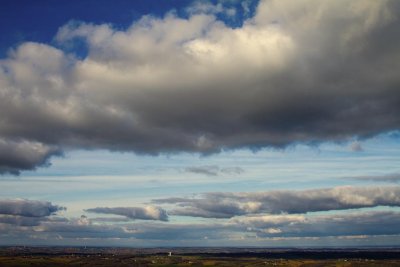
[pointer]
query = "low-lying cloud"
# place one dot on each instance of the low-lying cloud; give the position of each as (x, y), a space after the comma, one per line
(297, 71)
(241, 229)
(142, 213)
(228, 205)
(354, 224)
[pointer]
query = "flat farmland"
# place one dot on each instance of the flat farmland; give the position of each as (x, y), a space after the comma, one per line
(195, 257)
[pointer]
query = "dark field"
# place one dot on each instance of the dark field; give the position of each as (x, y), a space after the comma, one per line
(18, 256)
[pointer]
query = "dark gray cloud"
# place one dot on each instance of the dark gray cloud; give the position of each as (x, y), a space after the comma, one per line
(213, 170)
(227, 205)
(28, 208)
(389, 178)
(142, 213)
(171, 84)
(17, 155)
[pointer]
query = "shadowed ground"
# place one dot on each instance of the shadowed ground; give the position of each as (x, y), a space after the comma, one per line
(17, 256)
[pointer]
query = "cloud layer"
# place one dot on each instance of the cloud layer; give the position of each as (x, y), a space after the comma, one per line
(242, 229)
(355, 224)
(31, 222)
(142, 213)
(300, 71)
(228, 205)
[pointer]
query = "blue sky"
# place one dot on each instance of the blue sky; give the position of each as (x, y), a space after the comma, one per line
(199, 123)
(39, 21)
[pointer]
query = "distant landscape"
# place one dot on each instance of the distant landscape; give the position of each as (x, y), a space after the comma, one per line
(92, 256)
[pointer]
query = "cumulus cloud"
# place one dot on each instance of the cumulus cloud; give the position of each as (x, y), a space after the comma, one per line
(297, 71)
(227, 205)
(142, 213)
(213, 170)
(28, 208)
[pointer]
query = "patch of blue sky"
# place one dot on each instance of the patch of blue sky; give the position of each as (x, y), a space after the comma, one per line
(85, 179)
(300, 163)
(39, 21)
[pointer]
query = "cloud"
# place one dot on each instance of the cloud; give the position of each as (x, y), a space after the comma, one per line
(79, 228)
(142, 213)
(297, 71)
(85, 228)
(268, 227)
(269, 221)
(23, 221)
(389, 178)
(246, 7)
(109, 219)
(355, 224)
(228, 205)
(28, 208)
(356, 147)
(20, 220)
(204, 7)
(16, 155)
(179, 231)
(213, 170)
(207, 170)
(27, 213)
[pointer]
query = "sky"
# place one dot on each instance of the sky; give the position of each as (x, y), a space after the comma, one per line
(200, 123)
